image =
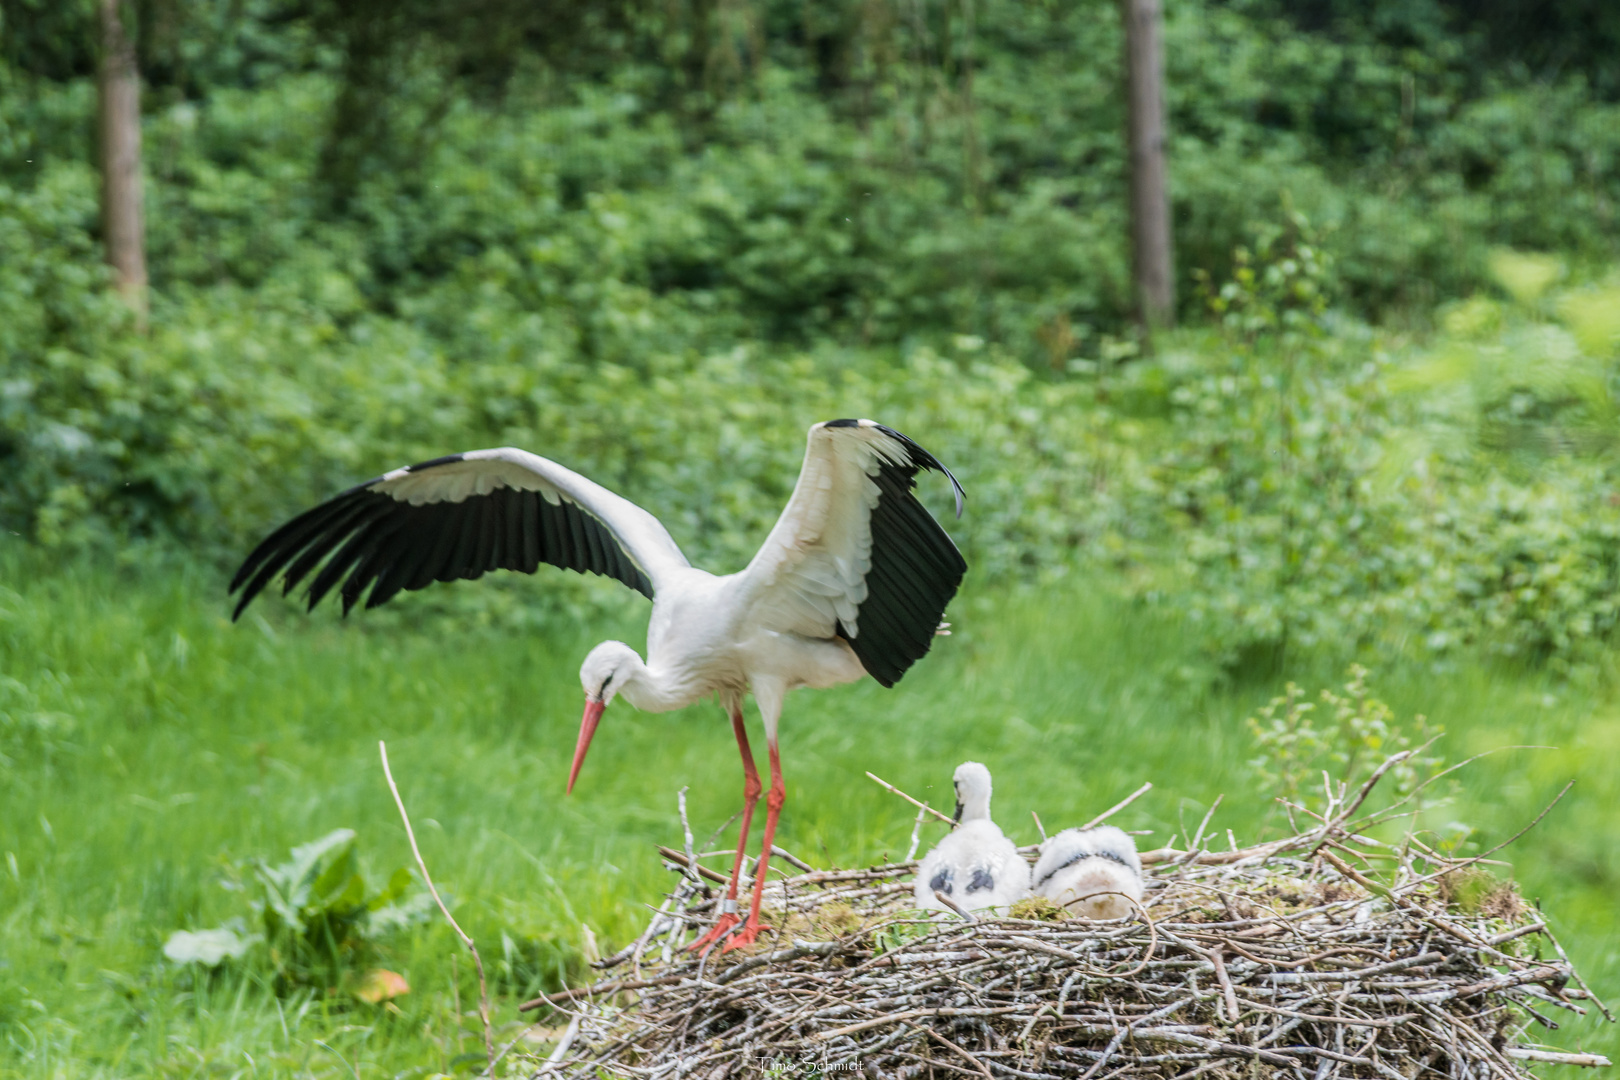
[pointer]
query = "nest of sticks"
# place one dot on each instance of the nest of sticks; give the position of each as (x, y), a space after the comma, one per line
(1323, 955)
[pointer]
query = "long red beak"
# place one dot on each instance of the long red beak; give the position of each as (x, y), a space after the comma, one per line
(587, 728)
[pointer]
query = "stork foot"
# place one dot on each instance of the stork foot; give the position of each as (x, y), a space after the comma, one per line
(722, 926)
(746, 936)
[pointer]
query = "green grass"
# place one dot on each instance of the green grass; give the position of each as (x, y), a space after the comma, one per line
(180, 742)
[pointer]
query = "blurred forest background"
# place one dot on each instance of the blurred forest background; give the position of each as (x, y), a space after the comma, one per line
(655, 240)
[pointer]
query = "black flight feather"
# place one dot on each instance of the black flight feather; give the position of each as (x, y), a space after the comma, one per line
(915, 570)
(363, 538)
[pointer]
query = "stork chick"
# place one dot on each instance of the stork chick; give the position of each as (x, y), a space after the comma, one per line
(1090, 872)
(975, 865)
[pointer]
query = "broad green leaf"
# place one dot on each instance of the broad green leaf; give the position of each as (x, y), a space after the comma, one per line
(339, 885)
(306, 858)
(397, 884)
(279, 908)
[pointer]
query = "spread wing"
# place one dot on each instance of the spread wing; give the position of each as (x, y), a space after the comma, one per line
(460, 517)
(854, 554)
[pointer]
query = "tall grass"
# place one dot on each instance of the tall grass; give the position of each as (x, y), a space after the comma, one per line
(150, 742)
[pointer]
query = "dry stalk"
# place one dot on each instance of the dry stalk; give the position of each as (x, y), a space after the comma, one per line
(1117, 807)
(478, 961)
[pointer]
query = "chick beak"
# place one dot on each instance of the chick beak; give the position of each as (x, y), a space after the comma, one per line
(587, 728)
(956, 818)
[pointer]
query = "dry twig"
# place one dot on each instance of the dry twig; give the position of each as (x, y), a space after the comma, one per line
(483, 987)
(914, 802)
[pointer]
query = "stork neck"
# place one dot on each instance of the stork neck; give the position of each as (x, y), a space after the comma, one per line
(653, 691)
(975, 806)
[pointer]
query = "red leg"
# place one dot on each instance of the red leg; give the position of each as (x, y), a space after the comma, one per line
(751, 789)
(773, 808)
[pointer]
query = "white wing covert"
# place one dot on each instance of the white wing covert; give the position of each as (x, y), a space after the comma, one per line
(854, 554)
(460, 517)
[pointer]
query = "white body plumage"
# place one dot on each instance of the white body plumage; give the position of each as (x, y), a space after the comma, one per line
(975, 865)
(1090, 872)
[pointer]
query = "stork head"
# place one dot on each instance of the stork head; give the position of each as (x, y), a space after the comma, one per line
(603, 674)
(972, 792)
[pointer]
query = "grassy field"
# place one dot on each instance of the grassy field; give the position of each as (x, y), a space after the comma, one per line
(148, 743)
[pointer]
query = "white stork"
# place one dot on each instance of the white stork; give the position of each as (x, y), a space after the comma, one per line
(852, 581)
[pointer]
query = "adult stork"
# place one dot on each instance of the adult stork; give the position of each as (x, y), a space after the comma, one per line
(851, 581)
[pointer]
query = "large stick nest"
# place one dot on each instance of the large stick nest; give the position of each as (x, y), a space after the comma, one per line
(1325, 954)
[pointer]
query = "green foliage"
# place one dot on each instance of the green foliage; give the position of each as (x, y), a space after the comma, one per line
(1282, 288)
(317, 916)
(39, 706)
(874, 176)
(1321, 489)
(1295, 480)
(29, 727)
(1478, 891)
(898, 934)
(659, 272)
(316, 906)
(1530, 379)
(1344, 736)
(1038, 908)
(1292, 481)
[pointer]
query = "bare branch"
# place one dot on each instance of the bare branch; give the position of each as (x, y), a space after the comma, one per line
(1117, 807)
(920, 805)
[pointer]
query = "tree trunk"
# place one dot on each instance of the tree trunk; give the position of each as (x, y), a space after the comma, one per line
(122, 218)
(1150, 193)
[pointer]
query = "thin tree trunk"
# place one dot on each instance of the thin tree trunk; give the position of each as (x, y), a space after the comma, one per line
(122, 217)
(1150, 192)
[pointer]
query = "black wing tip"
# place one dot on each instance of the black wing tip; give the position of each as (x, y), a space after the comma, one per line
(956, 489)
(922, 459)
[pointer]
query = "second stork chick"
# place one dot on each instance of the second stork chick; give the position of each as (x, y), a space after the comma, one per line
(975, 865)
(1090, 872)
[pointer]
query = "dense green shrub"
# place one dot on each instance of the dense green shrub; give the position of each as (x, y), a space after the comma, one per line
(1322, 490)
(1287, 479)
(876, 203)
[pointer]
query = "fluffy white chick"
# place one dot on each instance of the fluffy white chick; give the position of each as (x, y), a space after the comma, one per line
(975, 865)
(1085, 871)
